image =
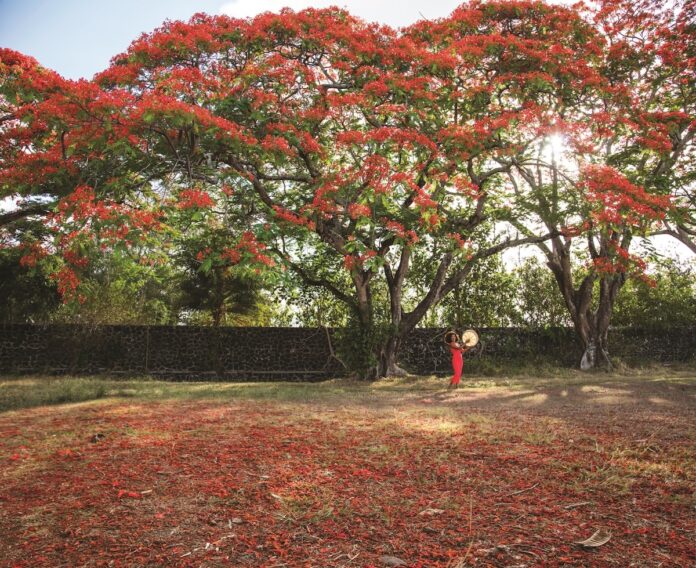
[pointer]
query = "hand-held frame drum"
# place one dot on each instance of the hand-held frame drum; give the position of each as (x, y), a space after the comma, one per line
(470, 338)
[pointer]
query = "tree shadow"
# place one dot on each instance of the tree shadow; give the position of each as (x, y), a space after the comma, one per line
(637, 403)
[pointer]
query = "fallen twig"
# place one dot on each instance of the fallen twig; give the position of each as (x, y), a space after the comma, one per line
(430, 511)
(218, 541)
(498, 548)
(461, 561)
(521, 490)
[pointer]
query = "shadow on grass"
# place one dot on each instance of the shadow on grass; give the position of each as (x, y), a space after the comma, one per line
(653, 386)
(33, 391)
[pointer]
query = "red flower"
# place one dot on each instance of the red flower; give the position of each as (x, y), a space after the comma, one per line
(194, 198)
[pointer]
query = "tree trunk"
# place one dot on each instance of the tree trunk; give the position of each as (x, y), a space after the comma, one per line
(596, 352)
(592, 326)
(387, 365)
(389, 346)
(363, 363)
(578, 302)
(404, 323)
(218, 313)
(219, 298)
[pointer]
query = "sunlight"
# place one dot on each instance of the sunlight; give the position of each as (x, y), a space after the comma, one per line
(555, 146)
(658, 400)
(537, 398)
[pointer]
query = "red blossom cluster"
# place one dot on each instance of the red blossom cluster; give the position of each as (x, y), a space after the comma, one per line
(82, 204)
(616, 201)
(194, 198)
(409, 236)
(68, 282)
(355, 261)
(32, 254)
(424, 200)
(292, 218)
(460, 242)
(356, 210)
(381, 135)
(430, 220)
(619, 260)
(248, 248)
(466, 187)
(570, 231)
(324, 203)
(74, 258)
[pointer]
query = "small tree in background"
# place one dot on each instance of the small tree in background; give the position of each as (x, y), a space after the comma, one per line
(122, 288)
(539, 300)
(670, 303)
(27, 292)
(218, 296)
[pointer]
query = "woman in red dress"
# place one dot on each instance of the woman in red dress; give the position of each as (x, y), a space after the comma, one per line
(458, 350)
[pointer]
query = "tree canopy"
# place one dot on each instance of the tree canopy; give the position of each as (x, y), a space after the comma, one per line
(369, 162)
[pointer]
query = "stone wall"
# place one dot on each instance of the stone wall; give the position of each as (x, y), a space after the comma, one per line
(168, 351)
(425, 352)
(293, 353)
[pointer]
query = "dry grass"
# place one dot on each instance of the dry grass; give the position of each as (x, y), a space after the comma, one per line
(502, 472)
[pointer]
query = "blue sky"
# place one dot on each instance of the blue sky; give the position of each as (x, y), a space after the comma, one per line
(77, 38)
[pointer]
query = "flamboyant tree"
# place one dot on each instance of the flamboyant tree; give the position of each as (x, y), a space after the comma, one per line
(603, 172)
(597, 212)
(65, 159)
(513, 65)
(650, 61)
(360, 146)
(78, 157)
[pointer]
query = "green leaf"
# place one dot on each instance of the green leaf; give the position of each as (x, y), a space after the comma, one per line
(206, 265)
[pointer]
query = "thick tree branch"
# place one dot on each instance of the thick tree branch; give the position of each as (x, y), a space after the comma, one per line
(433, 296)
(284, 177)
(12, 216)
(682, 234)
(321, 282)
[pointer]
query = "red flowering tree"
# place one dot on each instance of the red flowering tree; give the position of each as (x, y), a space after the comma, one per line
(360, 147)
(597, 212)
(65, 158)
(603, 169)
(79, 158)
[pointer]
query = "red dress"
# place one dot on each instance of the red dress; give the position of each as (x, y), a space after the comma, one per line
(457, 365)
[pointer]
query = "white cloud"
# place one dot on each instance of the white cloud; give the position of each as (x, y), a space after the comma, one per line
(393, 12)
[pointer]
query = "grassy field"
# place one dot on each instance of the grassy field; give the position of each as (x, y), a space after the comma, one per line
(511, 471)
